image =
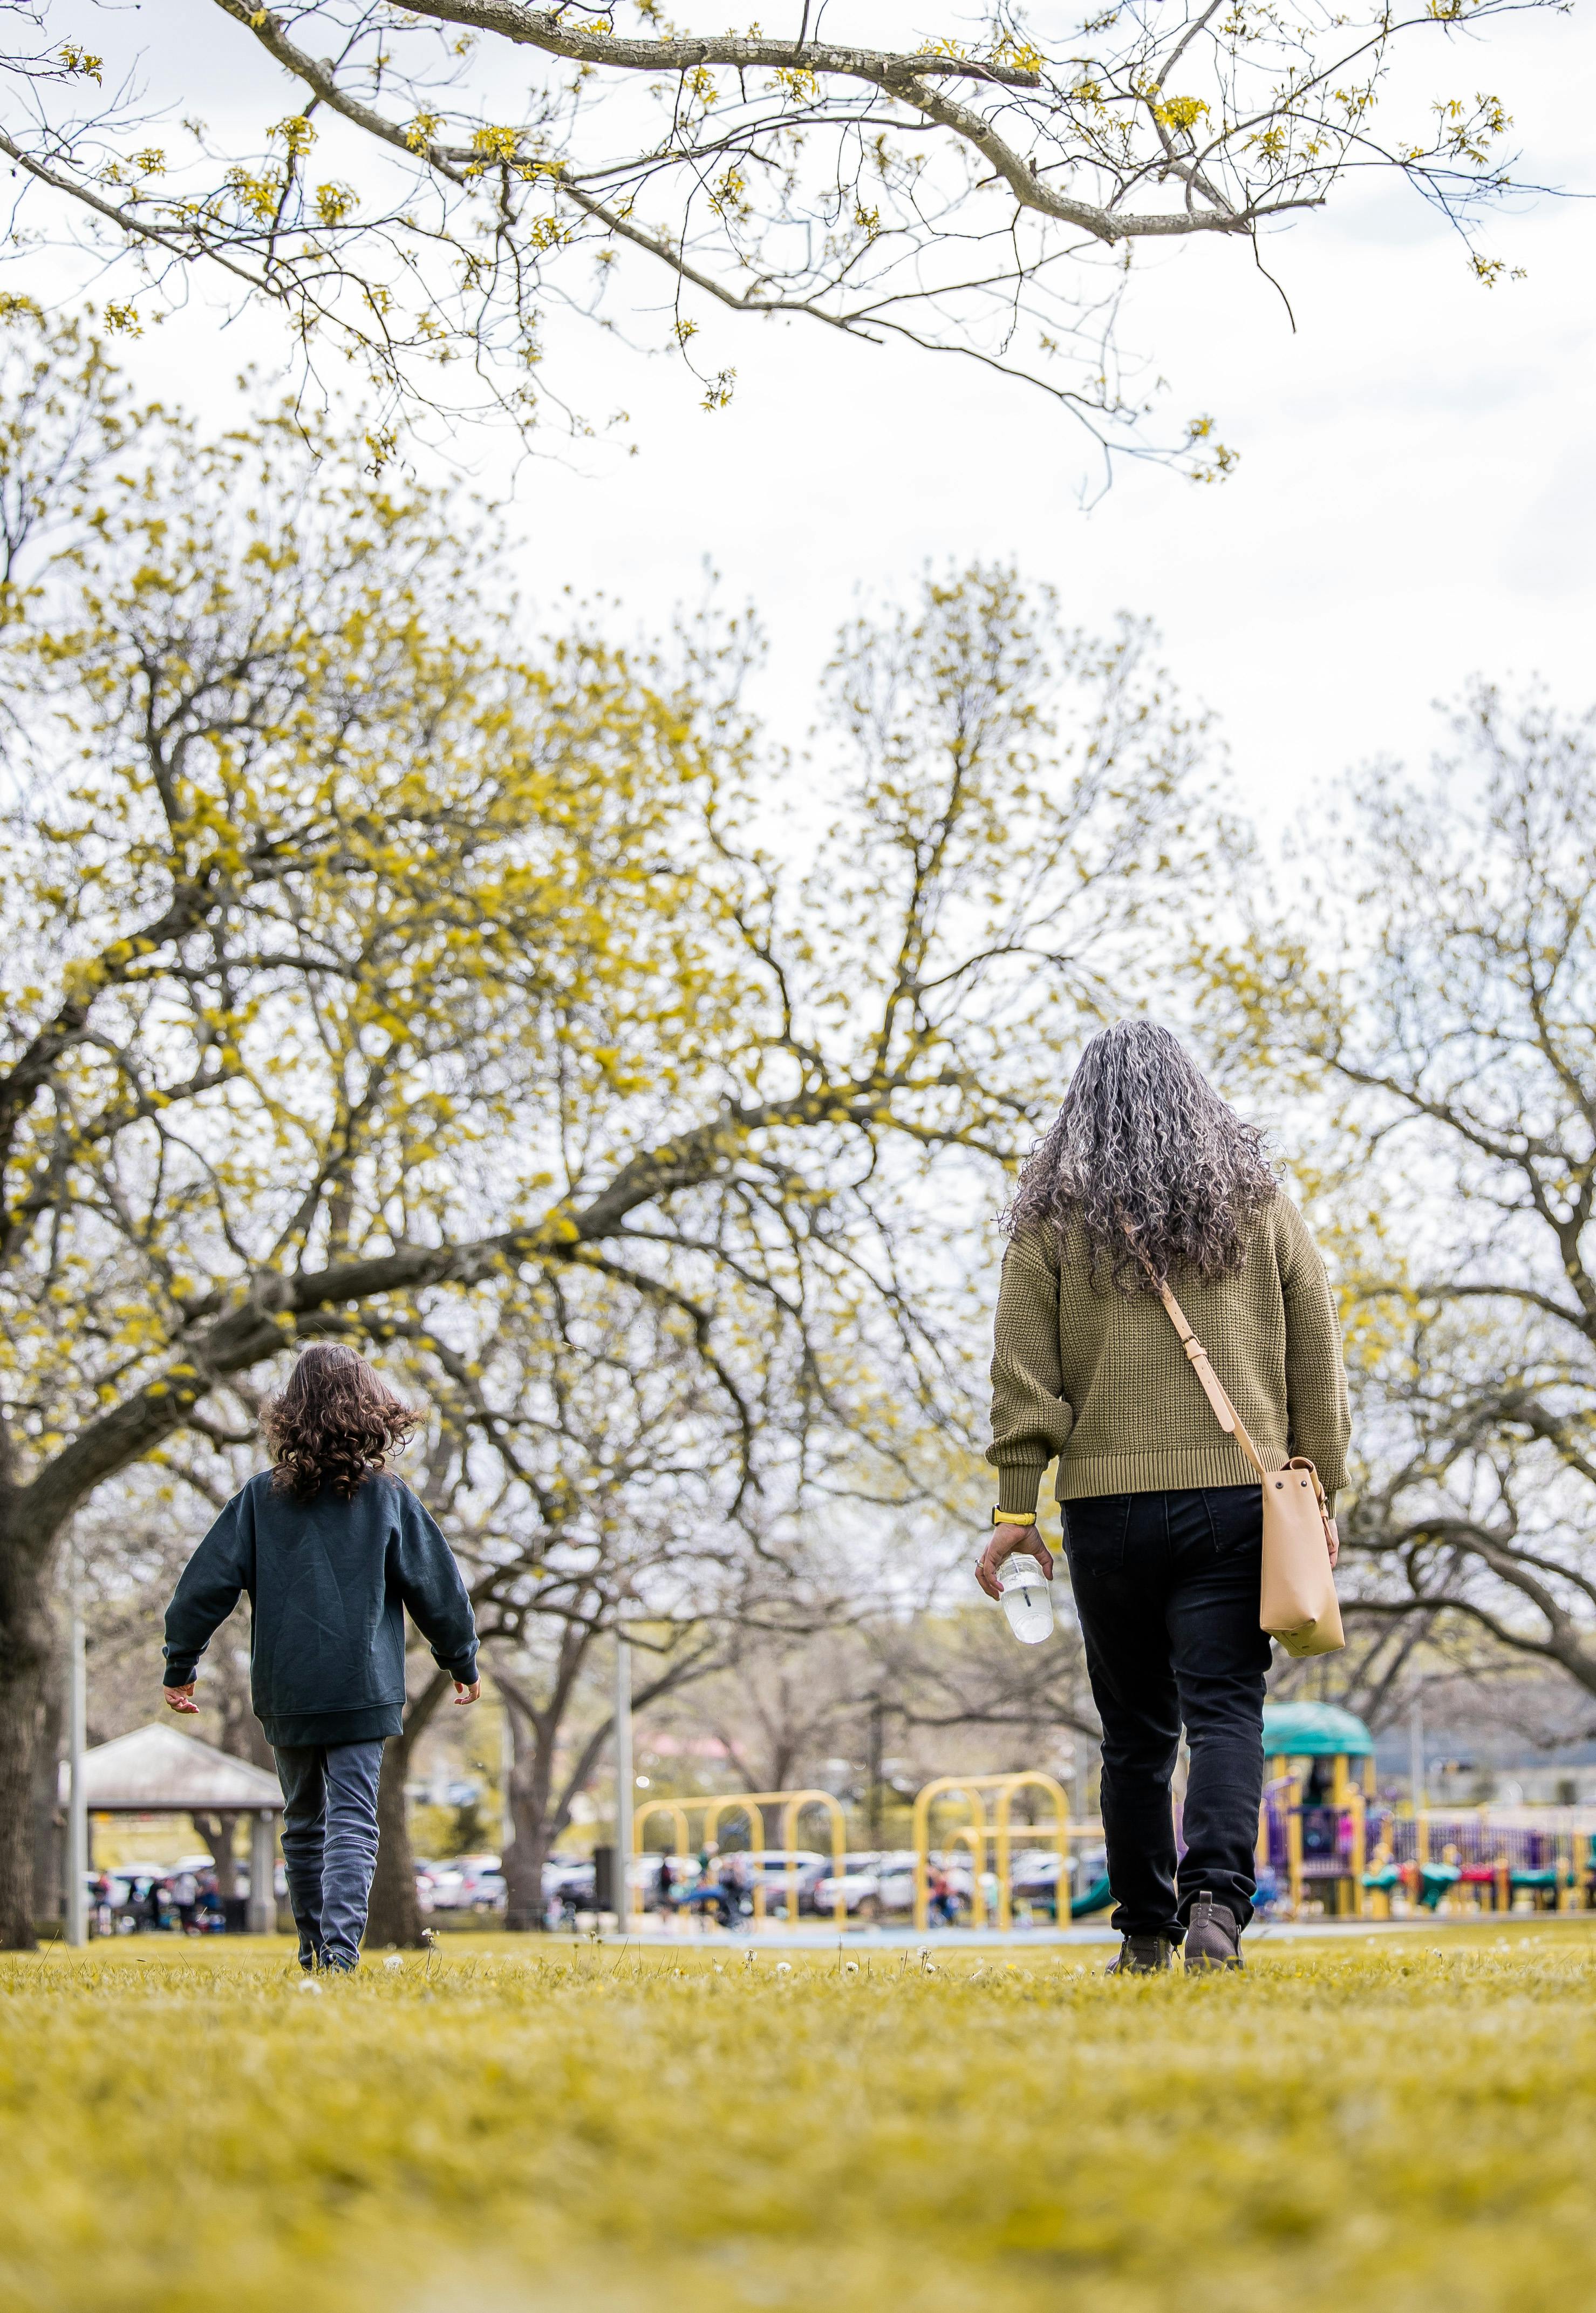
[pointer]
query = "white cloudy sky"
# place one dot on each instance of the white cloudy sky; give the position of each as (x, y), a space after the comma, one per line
(1416, 500)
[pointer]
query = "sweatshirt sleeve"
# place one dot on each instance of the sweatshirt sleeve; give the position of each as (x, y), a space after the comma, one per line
(209, 1588)
(1030, 1419)
(431, 1586)
(1319, 1423)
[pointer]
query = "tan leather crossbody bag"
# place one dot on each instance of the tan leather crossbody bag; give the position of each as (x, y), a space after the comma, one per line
(1297, 1604)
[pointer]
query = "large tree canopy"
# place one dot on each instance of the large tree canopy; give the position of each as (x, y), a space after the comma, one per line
(429, 186)
(1449, 1025)
(368, 968)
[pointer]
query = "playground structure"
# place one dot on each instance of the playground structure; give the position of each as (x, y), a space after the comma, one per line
(979, 1834)
(751, 1806)
(1490, 1859)
(1323, 1836)
(1318, 1787)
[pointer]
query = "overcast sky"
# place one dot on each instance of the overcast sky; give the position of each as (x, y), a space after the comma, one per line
(1415, 504)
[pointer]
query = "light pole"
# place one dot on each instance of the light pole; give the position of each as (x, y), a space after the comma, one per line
(878, 1715)
(1416, 1749)
(77, 1804)
(623, 1778)
(506, 1771)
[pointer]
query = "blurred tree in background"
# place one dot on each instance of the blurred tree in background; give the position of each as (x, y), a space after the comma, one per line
(369, 972)
(1442, 1020)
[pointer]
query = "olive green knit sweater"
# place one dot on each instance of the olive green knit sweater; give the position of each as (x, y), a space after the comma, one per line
(1099, 1379)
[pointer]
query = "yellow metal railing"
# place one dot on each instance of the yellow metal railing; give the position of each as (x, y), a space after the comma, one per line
(976, 1841)
(977, 1834)
(985, 1832)
(792, 1804)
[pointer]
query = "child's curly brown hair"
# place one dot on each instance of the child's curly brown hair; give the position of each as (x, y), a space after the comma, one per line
(333, 1422)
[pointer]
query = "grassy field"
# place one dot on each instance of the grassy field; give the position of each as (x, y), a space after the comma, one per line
(1354, 2125)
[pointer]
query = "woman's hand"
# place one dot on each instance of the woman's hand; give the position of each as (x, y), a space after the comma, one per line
(1006, 1541)
(1333, 1540)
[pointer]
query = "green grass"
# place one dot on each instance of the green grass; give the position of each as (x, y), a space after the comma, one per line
(1354, 2125)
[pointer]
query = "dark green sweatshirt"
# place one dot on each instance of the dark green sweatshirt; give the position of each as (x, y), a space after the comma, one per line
(328, 1583)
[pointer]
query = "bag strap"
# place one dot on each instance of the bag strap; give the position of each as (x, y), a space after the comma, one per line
(1214, 1389)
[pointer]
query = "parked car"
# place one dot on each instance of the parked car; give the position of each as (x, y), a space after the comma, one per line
(1089, 1873)
(567, 1889)
(138, 1902)
(874, 1883)
(768, 1868)
(875, 1887)
(1034, 1872)
(469, 1883)
(1033, 1875)
(646, 1876)
(114, 1904)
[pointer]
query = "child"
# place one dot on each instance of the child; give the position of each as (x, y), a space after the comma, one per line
(331, 1550)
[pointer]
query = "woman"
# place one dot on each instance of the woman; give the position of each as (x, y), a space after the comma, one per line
(1148, 1176)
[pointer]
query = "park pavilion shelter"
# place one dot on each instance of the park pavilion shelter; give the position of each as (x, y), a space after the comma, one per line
(157, 1770)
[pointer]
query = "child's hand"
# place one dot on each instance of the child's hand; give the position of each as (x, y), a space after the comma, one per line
(471, 1693)
(180, 1699)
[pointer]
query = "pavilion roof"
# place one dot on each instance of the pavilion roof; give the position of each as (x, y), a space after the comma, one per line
(157, 1770)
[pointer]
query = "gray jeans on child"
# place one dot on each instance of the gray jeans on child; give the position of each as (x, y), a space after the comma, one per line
(329, 1844)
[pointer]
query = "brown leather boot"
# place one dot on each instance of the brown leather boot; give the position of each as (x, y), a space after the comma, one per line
(1141, 1955)
(1213, 1938)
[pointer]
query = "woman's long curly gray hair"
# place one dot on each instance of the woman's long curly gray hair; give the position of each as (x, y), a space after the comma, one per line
(1158, 1171)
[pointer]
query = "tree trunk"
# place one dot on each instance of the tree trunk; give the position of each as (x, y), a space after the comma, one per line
(241, 1735)
(532, 1821)
(25, 1641)
(395, 1914)
(537, 1815)
(535, 1820)
(49, 1820)
(219, 1833)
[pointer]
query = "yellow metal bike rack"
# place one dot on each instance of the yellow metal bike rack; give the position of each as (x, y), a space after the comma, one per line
(792, 1804)
(678, 1823)
(974, 1835)
(976, 1841)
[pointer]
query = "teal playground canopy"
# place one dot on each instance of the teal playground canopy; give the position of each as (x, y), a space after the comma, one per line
(1313, 1730)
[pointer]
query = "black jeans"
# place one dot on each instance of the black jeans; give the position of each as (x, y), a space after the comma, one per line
(1167, 1589)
